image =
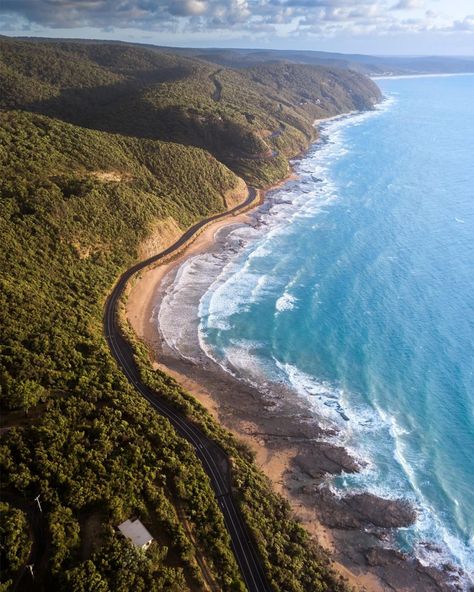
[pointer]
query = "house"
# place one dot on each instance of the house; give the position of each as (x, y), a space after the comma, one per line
(136, 532)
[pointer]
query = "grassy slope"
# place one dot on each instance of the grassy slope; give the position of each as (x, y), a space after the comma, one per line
(89, 444)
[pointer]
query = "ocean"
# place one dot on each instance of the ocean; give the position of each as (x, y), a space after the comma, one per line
(355, 289)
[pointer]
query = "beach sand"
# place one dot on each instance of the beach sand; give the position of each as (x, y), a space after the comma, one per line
(286, 447)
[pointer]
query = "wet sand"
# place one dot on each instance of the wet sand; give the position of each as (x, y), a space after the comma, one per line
(289, 447)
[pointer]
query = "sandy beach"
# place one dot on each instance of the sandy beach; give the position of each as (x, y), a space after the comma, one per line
(289, 446)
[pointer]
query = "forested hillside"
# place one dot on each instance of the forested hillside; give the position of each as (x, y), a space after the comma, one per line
(98, 142)
(370, 65)
(75, 205)
(252, 120)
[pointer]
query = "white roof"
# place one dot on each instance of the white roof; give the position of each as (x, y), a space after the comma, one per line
(136, 532)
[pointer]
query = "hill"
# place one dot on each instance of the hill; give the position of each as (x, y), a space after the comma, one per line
(252, 120)
(100, 145)
(364, 64)
(75, 205)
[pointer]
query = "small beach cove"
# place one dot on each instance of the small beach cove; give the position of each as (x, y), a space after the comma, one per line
(291, 446)
(279, 443)
(286, 449)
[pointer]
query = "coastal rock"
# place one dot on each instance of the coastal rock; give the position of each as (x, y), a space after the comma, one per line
(321, 459)
(378, 556)
(402, 573)
(361, 510)
(429, 546)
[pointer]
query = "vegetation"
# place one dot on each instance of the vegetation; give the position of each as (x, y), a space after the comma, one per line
(90, 445)
(252, 120)
(14, 541)
(292, 561)
(99, 142)
(366, 64)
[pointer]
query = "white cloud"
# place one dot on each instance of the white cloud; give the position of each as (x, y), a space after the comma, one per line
(409, 5)
(247, 19)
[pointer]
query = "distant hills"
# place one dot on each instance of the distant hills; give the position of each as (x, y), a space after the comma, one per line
(371, 65)
(365, 64)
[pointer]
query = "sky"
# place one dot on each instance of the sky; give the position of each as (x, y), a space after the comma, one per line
(382, 27)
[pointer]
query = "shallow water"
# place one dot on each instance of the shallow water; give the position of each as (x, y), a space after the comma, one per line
(355, 288)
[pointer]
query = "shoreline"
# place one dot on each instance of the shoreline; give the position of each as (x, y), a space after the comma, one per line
(274, 460)
(285, 446)
(438, 75)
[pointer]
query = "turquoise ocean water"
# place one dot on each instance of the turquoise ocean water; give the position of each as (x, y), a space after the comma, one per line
(357, 290)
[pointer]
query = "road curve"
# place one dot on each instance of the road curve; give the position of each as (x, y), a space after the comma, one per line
(215, 461)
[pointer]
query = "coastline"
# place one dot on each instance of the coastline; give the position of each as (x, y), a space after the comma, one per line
(438, 75)
(286, 446)
(274, 458)
(275, 455)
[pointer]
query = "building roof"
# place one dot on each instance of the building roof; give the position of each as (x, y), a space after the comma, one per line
(136, 532)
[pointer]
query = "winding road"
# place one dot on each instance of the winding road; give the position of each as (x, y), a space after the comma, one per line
(217, 94)
(215, 461)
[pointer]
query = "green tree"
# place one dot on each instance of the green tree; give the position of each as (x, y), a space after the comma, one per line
(15, 542)
(65, 532)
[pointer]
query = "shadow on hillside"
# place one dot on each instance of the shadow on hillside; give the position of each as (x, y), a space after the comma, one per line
(117, 108)
(123, 109)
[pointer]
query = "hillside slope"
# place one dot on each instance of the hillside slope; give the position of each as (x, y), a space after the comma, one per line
(101, 145)
(370, 65)
(75, 206)
(252, 120)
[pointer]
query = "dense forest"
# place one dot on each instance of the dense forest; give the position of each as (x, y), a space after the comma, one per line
(98, 142)
(252, 120)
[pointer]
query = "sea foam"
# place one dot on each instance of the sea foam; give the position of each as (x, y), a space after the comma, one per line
(253, 269)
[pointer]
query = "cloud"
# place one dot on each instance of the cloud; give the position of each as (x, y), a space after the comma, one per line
(465, 25)
(188, 7)
(123, 13)
(408, 5)
(247, 18)
(156, 13)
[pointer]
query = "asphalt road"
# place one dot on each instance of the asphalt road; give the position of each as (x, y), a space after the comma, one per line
(215, 461)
